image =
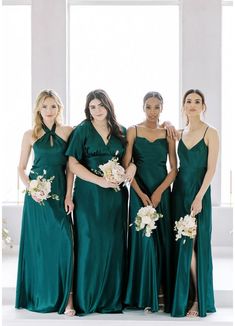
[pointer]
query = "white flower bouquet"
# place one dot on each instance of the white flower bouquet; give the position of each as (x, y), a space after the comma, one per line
(40, 189)
(112, 171)
(145, 220)
(186, 226)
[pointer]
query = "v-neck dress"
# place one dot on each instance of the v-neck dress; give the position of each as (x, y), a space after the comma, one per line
(149, 257)
(46, 251)
(193, 167)
(100, 219)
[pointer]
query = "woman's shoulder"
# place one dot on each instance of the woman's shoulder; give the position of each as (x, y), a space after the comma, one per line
(82, 126)
(211, 133)
(28, 137)
(66, 129)
(82, 129)
(131, 131)
(210, 129)
(28, 134)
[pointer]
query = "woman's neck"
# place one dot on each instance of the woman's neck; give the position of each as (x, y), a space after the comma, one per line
(100, 124)
(151, 124)
(49, 124)
(195, 124)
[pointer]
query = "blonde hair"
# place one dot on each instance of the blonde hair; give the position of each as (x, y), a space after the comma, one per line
(37, 120)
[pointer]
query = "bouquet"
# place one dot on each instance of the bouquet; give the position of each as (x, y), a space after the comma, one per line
(145, 220)
(112, 171)
(186, 226)
(40, 189)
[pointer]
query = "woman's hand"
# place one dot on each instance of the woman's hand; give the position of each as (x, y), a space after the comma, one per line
(130, 173)
(107, 184)
(156, 197)
(170, 129)
(145, 200)
(196, 206)
(68, 205)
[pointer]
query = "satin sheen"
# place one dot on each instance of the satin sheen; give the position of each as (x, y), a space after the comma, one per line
(149, 258)
(193, 166)
(100, 219)
(45, 257)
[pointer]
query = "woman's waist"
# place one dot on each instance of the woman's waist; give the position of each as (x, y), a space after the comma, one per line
(47, 170)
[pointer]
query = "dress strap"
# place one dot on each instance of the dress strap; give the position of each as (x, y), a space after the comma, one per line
(47, 130)
(205, 131)
(181, 135)
(50, 132)
(135, 131)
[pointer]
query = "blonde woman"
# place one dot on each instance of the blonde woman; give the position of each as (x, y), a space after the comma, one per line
(46, 252)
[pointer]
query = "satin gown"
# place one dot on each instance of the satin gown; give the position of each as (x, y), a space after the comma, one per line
(100, 220)
(193, 166)
(149, 258)
(46, 251)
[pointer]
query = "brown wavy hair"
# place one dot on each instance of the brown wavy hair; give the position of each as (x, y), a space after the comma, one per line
(102, 96)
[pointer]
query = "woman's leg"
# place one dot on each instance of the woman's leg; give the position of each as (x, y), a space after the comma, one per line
(193, 311)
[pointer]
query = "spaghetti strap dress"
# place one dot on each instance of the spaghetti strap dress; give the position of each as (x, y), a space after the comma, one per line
(193, 167)
(149, 259)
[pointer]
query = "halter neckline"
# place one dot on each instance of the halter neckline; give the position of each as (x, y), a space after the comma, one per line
(47, 130)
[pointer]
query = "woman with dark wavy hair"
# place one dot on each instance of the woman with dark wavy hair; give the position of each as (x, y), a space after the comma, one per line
(100, 214)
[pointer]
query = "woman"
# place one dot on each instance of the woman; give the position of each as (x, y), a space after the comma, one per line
(198, 152)
(100, 214)
(149, 279)
(46, 252)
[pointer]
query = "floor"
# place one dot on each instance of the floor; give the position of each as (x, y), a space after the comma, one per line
(223, 276)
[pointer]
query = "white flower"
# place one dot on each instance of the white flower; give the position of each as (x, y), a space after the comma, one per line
(145, 219)
(186, 226)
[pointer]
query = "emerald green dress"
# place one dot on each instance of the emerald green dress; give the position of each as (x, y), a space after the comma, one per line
(100, 222)
(149, 258)
(193, 166)
(46, 253)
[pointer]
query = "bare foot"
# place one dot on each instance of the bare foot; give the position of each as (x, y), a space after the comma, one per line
(69, 310)
(193, 311)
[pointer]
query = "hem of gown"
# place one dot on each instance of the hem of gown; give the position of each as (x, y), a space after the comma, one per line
(137, 307)
(83, 314)
(43, 311)
(199, 315)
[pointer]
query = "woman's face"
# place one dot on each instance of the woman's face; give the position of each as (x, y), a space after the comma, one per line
(152, 108)
(49, 109)
(97, 110)
(193, 105)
